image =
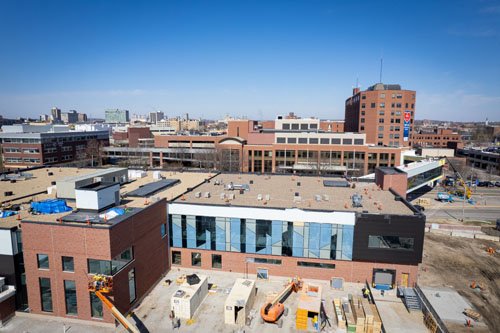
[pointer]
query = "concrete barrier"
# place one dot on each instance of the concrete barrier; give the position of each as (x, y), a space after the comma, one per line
(462, 234)
(441, 232)
(487, 237)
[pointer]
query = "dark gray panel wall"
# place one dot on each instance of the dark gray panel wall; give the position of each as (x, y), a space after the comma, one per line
(388, 225)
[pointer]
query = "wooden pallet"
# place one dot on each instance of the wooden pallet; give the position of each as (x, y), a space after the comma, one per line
(472, 314)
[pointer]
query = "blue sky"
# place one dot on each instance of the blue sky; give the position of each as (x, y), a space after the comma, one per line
(247, 58)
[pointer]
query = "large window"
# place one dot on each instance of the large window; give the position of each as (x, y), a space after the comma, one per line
(390, 242)
(70, 297)
(43, 261)
(267, 237)
(111, 267)
(196, 259)
(68, 264)
(95, 306)
(45, 294)
(176, 258)
(216, 261)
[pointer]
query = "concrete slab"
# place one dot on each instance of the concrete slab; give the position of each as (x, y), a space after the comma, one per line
(447, 303)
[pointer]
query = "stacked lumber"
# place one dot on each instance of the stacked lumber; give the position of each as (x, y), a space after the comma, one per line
(339, 315)
(349, 318)
(377, 322)
(368, 315)
(358, 313)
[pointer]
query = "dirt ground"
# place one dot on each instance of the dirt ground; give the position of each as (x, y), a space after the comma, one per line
(456, 262)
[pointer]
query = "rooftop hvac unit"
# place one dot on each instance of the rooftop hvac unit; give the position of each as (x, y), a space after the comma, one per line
(356, 200)
(206, 195)
(298, 183)
(231, 196)
(259, 197)
(326, 197)
(197, 194)
(317, 197)
(223, 196)
(268, 197)
(251, 181)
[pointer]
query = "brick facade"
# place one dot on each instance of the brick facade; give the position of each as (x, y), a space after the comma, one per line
(351, 271)
(141, 231)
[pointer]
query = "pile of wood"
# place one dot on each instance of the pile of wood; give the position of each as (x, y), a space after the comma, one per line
(357, 315)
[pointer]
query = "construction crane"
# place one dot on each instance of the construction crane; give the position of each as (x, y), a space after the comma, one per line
(102, 285)
(460, 180)
(272, 310)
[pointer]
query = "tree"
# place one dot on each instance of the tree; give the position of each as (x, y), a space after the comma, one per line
(93, 152)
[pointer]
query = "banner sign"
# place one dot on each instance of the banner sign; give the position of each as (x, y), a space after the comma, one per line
(406, 131)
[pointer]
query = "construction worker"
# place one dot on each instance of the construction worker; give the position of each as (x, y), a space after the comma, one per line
(366, 293)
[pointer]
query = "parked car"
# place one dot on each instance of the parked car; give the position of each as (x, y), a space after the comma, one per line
(497, 184)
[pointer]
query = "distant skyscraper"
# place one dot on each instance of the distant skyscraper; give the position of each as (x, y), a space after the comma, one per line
(155, 117)
(56, 114)
(70, 117)
(384, 112)
(116, 116)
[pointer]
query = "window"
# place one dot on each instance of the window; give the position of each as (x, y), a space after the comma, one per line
(381, 113)
(313, 126)
(70, 297)
(362, 120)
(381, 136)
(362, 128)
(324, 141)
(390, 242)
(303, 140)
(95, 306)
(372, 105)
(131, 285)
(280, 140)
(163, 230)
(363, 96)
(381, 120)
(176, 258)
(196, 259)
(303, 127)
(286, 126)
(382, 105)
(295, 126)
(363, 113)
(107, 267)
(363, 105)
(45, 294)
(335, 141)
(292, 140)
(315, 264)
(68, 264)
(358, 141)
(43, 261)
(347, 142)
(381, 128)
(216, 261)
(313, 141)
(264, 261)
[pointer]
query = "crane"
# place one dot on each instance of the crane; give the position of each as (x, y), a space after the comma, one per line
(102, 285)
(467, 192)
(271, 311)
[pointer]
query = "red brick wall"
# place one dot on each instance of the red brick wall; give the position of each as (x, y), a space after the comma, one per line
(136, 133)
(398, 182)
(349, 270)
(142, 231)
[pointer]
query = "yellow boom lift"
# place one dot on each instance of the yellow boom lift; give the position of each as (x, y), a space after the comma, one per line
(460, 181)
(102, 285)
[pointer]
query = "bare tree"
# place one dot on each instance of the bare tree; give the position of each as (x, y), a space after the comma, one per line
(93, 152)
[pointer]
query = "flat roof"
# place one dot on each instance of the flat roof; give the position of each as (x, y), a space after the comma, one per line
(241, 291)
(96, 173)
(130, 205)
(282, 190)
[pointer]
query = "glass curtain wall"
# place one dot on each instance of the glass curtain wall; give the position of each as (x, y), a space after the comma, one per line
(271, 237)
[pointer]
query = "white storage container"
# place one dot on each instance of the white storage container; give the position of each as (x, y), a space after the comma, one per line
(186, 300)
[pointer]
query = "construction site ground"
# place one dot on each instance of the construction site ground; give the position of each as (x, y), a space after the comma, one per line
(152, 315)
(456, 262)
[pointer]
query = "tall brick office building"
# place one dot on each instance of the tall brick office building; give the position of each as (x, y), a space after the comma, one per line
(385, 112)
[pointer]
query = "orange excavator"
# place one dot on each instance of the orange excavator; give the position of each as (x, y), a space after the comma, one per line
(271, 311)
(102, 285)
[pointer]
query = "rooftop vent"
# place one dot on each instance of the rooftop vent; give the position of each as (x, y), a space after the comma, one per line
(206, 195)
(317, 197)
(298, 183)
(251, 181)
(197, 194)
(268, 197)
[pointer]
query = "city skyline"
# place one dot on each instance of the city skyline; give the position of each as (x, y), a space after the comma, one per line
(253, 59)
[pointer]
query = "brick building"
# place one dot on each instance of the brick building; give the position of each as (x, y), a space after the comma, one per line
(437, 138)
(35, 145)
(123, 236)
(297, 226)
(385, 112)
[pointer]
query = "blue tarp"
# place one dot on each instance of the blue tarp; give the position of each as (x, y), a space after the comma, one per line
(50, 206)
(7, 213)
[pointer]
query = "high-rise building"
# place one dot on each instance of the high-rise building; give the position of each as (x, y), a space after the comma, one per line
(155, 117)
(117, 116)
(82, 117)
(56, 114)
(70, 117)
(385, 112)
